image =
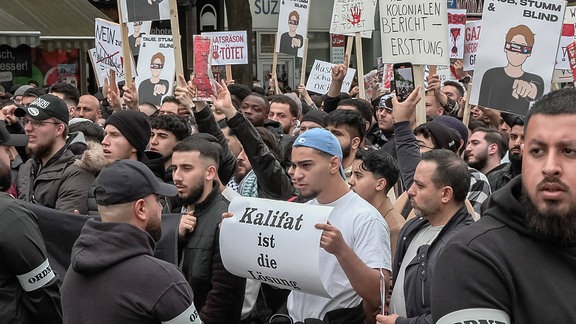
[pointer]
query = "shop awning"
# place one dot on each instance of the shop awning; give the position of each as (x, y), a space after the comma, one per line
(65, 24)
(15, 33)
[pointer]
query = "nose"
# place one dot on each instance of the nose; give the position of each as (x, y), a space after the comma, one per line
(411, 191)
(552, 166)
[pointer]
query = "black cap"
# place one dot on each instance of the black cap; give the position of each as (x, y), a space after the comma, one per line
(44, 107)
(316, 116)
(129, 180)
(7, 139)
(512, 119)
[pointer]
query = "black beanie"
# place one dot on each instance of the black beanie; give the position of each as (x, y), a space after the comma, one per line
(443, 136)
(134, 126)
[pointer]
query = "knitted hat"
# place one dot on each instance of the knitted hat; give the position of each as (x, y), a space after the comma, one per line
(455, 124)
(316, 116)
(443, 136)
(134, 126)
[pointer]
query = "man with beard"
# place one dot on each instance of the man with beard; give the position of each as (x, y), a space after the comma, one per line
(515, 140)
(349, 128)
(219, 294)
(355, 244)
(484, 152)
(22, 254)
(167, 131)
(113, 276)
(50, 177)
(440, 186)
(516, 265)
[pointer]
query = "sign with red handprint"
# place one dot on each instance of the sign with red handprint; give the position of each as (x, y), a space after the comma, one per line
(351, 16)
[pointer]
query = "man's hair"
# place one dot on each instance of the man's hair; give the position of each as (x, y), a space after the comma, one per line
(450, 171)
(170, 99)
(91, 131)
(494, 136)
(553, 103)
(474, 124)
(521, 30)
(456, 85)
(202, 144)
(362, 106)
(270, 141)
(282, 99)
(294, 13)
(381, 164)
(171, 123)
(158, 55)
(354, 122)
(71, 94)
(240, 91)
(264, 98)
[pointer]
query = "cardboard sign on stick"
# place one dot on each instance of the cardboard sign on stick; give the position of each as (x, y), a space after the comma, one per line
(292, 27)
(229, 47)
(155, 69)
(321, 76)
(352, 16)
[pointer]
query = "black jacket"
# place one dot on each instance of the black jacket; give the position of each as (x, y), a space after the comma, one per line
(498, 263)
(219, 295)
(420, 271)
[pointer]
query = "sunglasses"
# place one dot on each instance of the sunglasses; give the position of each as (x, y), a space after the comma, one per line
(293, 22)
(517, 48)
(156, 65)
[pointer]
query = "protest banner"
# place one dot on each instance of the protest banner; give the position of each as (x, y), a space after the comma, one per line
(526, 33)
(155, 68)
(566, 38)
(108, 53)
(321, 76)
(228, 47)
(415, 31)
(471, 41)
(203, 77)
(337, 48)
(140, 10)
(292, 27)
(352, 16)
(135, 31)
(274, 242)
(445, 73)
(456, 28)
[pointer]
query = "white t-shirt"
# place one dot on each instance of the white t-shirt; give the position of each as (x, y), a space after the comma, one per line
(366, 232)
(425, 236)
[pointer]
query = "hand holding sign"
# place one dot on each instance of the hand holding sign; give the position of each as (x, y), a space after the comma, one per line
(521, 88)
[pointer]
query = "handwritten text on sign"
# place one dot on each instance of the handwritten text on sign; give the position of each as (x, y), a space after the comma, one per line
(350, 16)
(414, 31)
(321, 76)
(229, 48)
(274, 242)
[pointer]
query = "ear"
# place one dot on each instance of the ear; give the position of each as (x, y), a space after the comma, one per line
(140, 210)
(381, 184)
(492, 149)
(60, 129)
(211, 173)
(335, 165)
(356, 142)
(447, 194)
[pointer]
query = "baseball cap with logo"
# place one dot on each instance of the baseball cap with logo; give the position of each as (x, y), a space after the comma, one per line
(7, 139)
(44, 107)
(129, 180)
(323, 141)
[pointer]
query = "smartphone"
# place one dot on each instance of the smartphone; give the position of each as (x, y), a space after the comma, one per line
(403, 80)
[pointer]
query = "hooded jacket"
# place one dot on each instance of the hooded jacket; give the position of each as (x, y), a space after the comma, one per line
(498, 267)
(113, 278)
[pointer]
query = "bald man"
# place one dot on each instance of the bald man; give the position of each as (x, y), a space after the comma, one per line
(88, 107)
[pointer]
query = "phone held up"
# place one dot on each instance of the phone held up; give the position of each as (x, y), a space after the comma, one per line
(403, 80)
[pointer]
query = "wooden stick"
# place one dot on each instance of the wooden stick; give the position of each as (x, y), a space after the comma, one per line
(349, 45)
(304, 59)
(421, 106)
(274, 63)
(174, 26)
(466, 112)
(126, 53)
(228, 73)
(360, 67)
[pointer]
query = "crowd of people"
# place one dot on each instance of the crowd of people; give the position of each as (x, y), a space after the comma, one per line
(459, 223)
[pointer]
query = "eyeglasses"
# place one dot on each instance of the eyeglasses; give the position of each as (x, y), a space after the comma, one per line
(37, 123)
(293, 22)
(156, 65)
(517, 48)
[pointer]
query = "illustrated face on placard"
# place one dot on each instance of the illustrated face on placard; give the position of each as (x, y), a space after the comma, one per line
(293, 21)
(156, 64)
(517, 51)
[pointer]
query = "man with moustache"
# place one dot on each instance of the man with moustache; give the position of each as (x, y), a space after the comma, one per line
(516, 265)
(50, 177)
(23, 254)
(508, 171)
(484, 152)
(218, 294)
(113, 277)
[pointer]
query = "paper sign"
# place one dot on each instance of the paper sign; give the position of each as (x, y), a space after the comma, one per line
(108, 52)
(142, 10)
(274, 242)
(203, 77)
(156, 68)
(229, 47)
(414, 31)
(456, 26)
(560, 76)
(445, 74)
(351, 16)
(135, 31)
(566, 38)
(471, 41)
(517, 53)
(292, 27)
(338, 48)
(321, 76)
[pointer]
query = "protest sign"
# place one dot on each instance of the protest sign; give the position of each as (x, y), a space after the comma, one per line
(456, 26)
(526, 34)
(566, 38)
(274, 242)
(203, 77)
(135, 31)
(471, 41)
(560, 76)
(338, 48)
(415, 31)
(107, 54)
(292, 27)
(445, 73)
(321, 76)
(352, 16)
(155, 68)
(229, 47)
(140, 10)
